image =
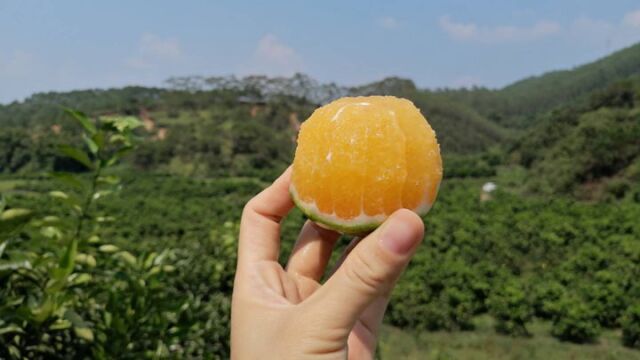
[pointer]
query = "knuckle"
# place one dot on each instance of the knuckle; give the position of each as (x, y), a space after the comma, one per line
(365, 274)
(248, 207)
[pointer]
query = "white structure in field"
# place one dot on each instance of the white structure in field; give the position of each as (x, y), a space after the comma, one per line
(487, 189)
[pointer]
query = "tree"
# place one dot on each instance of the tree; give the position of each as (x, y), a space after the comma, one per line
(511, 307)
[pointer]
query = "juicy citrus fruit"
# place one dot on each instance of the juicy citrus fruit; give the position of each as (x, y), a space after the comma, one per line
(359, 159)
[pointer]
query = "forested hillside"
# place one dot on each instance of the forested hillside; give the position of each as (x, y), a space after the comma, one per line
(518, 105)
(590, 151)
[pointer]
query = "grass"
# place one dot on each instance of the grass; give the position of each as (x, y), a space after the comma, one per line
(484, 343)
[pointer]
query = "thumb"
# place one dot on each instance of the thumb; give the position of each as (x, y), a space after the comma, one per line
(370, 270)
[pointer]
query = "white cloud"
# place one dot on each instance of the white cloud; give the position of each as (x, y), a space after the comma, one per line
(154, 50)
(503, 33)
(458, 31)
(632, 19)
(274, 57)
(388, 22)
(589, 25)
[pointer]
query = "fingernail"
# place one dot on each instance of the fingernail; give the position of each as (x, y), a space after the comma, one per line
(397, 237)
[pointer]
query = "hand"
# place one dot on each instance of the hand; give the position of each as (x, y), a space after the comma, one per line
(286, 313)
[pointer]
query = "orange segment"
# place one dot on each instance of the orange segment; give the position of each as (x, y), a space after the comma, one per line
(346, 155)
(385, 164)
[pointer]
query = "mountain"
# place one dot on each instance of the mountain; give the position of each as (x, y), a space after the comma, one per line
(542, 93)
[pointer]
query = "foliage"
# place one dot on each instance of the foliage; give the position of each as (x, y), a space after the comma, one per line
(588, 151)
(510, 305)
(67, 292)
(516, 257)
(576, 322)
(631, 327)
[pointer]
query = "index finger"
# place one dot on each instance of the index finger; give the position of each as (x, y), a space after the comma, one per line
(260, 224)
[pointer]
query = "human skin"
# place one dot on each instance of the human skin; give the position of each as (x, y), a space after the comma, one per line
(286, 313)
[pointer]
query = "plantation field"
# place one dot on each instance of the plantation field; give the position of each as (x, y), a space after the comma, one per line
(477, 258)
(118, 229)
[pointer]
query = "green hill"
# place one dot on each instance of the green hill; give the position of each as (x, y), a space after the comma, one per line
(224, 129)
(519, 104)
(211, 126)
(541, 93)
(591, 151)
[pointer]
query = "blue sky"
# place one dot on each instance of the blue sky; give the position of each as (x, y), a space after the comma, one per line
(62, 45)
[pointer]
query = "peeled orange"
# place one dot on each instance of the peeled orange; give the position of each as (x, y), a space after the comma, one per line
(359, 159)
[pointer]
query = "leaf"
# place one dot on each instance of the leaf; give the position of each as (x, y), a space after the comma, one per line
(98, 139)
(51, 232)
(68, 260)
(86, 259)
(107, 318)
(123, 123)
(102, 193)
(154, 270)
(76, 154)
(14, 265)
(84, 333)
(75, 319)
(71, 200)
(14, 214)
(50, 219)
(80, 279)
(14, 302)
(70, 180)
(15, 352)
(82, 119)
(93, 147)
(127, 257)
(109, 180)
(2, 247)
(108, 248)
(60, 324)
(122, 152)
(12, 220)
(80, 327)
(11, 329)
(160, 258)
(58, 194)
(43, 312)
(148, 262)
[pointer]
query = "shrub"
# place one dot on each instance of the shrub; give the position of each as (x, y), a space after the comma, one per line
(631, 327)
(547, 294)
(511, 307)
(575, 322)
(70, 288)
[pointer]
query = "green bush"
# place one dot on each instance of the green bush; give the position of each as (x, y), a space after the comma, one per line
(576, 322)
(606, 295)
(547, 295)
(511, 307)
(631, 327)
(71, 289)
